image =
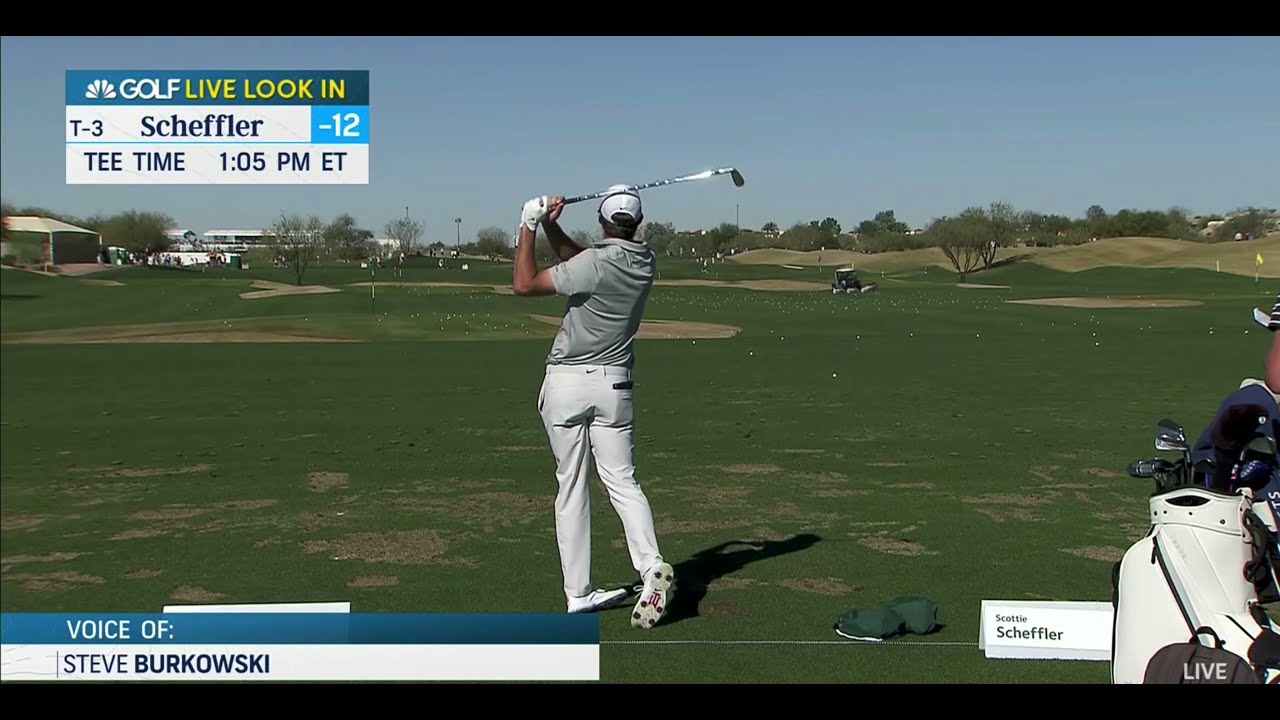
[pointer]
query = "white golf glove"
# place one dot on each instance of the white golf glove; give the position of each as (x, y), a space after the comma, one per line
(535, 211)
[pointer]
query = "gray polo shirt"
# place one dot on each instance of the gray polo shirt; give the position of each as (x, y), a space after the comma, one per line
(607, 286)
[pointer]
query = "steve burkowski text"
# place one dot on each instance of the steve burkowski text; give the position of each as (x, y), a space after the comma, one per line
(167, 664)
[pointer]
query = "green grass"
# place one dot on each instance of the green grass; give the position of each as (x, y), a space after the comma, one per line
(849, 449)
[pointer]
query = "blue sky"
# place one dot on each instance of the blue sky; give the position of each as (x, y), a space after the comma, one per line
(839, 127)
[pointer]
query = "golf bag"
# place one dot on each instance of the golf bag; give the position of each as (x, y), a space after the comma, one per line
(1210, 560)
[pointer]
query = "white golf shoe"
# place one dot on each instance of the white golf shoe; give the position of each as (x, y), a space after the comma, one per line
(598, 600)
(655, 596)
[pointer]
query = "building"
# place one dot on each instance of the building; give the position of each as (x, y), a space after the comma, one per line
(233, 240)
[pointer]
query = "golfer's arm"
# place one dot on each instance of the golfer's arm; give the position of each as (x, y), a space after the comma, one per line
(526, 280)
(560, 242)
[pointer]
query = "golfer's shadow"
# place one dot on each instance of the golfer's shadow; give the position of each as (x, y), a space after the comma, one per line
(695, 575)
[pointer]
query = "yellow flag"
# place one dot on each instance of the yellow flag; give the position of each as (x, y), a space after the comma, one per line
(1259, 258)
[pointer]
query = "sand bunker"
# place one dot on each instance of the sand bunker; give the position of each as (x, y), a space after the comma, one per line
(669, 329)
(269, 289)
(1109, 302)
(768, 285)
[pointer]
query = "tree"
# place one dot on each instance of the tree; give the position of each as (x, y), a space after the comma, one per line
(406, 232)
(963, 239)
(659, 236)
(138, 232)
(769, 227)
(1251, 222)
(492, 243)
(884, 223)
(342, 239)
(297, 240)
(1003, 228)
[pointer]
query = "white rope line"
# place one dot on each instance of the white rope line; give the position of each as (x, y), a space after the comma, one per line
(896, 643)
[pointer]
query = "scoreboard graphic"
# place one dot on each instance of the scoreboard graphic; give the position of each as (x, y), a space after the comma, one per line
(217, 127)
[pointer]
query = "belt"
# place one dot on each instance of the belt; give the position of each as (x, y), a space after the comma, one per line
(610, 370)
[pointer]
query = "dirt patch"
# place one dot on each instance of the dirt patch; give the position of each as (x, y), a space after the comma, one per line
(142, 574)
(520, 448)
(735, 583)
(887, 463)
(923, 485)
(1102, 472)
(1004, 514)
(1109, 302)
(1028, 500)
(155, 471)
(721, 608)
(105, 283)
(820, 586)
(13, 522)
(269, 289)
(838, 493)
(46, 558)
(488, 510)
(324, 481)
(1093, 552)
(750, 469)
(894, 546)
(980, 286)
(138, 534)
(194, 593)
(370, 581)
(667, 526)
(246, 504)
(60, 581)
(717, 495)
(800, 451)
(167, 513)
(669, 329)
(406, 547)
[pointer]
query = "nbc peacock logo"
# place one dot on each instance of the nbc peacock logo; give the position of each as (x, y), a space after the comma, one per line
(100, 90)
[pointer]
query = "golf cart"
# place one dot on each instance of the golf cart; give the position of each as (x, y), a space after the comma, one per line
(846, 280)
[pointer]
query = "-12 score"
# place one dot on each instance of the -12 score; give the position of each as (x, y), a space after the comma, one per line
(350, 130)
(243, 161)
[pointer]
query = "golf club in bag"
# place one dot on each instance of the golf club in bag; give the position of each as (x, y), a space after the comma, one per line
(1189, 595)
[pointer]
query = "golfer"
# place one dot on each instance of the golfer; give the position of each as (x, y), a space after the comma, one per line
(586, 395)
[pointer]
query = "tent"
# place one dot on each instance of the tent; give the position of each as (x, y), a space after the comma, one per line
(75, 250)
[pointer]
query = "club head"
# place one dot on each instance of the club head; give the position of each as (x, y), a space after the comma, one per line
(1170, 436)
(737, 177)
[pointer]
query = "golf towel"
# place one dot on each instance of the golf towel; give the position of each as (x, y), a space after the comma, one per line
(907, 614)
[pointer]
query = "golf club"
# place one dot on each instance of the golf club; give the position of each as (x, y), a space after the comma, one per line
(737, 181)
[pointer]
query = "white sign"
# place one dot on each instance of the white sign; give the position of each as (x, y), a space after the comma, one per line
(318, 607)
(1046, 630)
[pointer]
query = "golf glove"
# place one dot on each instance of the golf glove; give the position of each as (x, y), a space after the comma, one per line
(535, 211)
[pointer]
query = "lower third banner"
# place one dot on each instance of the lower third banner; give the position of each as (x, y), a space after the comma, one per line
(299, 646)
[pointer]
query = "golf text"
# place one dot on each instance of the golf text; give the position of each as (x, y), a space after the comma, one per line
(119, 630)
(1203, 671)
(164, 663)
(230, 88)
(1017, 633)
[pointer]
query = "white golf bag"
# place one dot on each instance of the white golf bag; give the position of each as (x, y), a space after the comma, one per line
(1203, 570)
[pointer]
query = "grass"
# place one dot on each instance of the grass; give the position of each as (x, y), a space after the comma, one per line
(838, 452)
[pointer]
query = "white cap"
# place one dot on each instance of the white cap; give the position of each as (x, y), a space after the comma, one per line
(622, 207)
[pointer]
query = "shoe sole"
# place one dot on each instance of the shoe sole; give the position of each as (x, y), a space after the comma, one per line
(647, 614)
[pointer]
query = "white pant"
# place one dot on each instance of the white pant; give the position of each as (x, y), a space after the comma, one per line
(583, 413)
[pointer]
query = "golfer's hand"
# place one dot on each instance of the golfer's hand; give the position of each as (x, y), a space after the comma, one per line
(534, 212)
(555, 205)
